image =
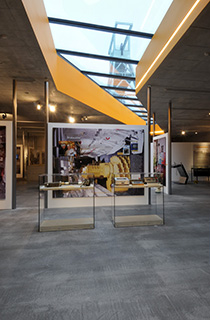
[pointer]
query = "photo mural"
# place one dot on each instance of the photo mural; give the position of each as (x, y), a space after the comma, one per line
(105, 153)
(159, 157)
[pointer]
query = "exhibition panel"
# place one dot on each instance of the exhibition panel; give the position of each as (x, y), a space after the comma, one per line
(5, 165)
(160, 158)
(132, 184)
(102, 151)
(67, 187)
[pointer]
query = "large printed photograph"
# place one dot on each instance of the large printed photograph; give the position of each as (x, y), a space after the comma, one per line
(2, 162)
(105, 153)
(159, 157)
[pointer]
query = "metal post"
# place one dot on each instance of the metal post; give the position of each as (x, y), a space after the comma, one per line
(153, 120)
(46, 96)
(148, 123)
(169, 148)
(148, 134)
(14, 102)
(23, 153)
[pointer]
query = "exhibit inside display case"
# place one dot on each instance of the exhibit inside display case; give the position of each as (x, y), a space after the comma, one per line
(66, 188)
(149, 213)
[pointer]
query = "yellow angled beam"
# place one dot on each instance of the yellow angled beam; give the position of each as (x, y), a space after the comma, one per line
(68, 79)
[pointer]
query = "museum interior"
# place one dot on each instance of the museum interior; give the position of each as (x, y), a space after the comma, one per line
(104, 159)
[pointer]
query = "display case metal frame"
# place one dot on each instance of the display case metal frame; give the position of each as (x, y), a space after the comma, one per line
(62, 183)
(140, 219)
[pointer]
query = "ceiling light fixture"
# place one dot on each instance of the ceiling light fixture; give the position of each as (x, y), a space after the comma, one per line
(168, 42)
(52, 107)
(71, 119)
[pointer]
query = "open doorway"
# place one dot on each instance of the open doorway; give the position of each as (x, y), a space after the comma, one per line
(30, 163)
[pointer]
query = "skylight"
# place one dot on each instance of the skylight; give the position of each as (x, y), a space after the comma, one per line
(106, 39)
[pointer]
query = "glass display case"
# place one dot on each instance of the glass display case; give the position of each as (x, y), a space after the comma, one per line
(66, 202)
(138, 199)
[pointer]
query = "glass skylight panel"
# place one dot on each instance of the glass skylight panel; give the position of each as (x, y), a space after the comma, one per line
(141, 114)
(88, 64)
(112, 82)
(144, 15)
(136, 109)
(122, 93)
(137, 105)
(98, 42)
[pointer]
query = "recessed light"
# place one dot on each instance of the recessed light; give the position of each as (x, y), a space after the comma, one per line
(52, 107)
(71, 119)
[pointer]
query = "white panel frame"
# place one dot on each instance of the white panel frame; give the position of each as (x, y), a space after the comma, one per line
(99, 201)
(165, 135)
(7, 202)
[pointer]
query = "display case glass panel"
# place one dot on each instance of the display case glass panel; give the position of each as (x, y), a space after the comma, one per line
(149, 213)
(68, 217)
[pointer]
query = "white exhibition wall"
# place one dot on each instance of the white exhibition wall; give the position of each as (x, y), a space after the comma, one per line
(183, 152)
(72, 132)
(6, 172)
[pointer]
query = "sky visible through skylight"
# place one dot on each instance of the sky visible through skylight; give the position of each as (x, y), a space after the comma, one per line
(145, 15)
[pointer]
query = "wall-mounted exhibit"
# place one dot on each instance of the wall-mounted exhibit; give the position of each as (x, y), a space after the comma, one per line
(111, 150)
(5, 165)
(19, 161)
(160, 157)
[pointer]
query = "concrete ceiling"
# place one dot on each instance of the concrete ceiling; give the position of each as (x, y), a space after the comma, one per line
(21, 59)
(184, 78)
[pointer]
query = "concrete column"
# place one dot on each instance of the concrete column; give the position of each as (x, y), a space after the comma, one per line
(14, 111)
(169, 147)
(46, 96)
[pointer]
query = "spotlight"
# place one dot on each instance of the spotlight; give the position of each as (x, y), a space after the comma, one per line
(84, 118)
(52, 107)
(196, 132)
(38, 106)
(183, 132)
(71, 119)
(4, 116)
